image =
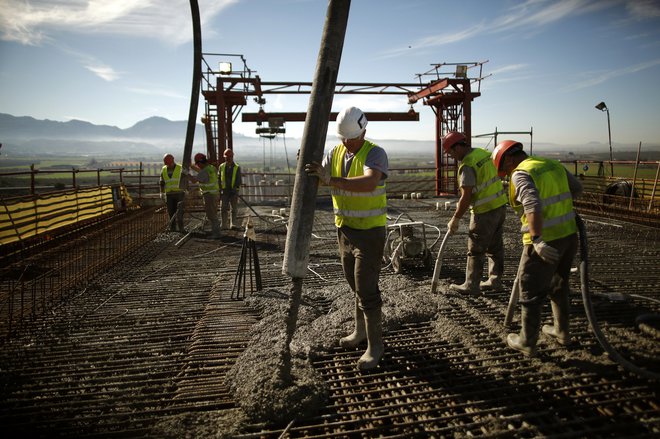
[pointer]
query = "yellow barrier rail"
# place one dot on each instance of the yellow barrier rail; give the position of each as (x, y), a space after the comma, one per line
(26, 217)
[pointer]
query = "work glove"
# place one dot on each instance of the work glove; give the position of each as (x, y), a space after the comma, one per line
(547, 253)
(314, 169)
(453, 224)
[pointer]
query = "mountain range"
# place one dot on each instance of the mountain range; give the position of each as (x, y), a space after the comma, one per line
(151, 137)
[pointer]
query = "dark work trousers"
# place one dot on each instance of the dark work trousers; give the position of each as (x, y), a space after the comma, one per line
(229, 201)
(173, 200)
(539, 279)
(485, 237)
(361, 253)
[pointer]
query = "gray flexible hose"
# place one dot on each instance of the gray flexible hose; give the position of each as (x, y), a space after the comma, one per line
(589, 310)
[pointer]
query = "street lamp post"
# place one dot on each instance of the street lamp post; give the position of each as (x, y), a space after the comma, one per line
(602, 107)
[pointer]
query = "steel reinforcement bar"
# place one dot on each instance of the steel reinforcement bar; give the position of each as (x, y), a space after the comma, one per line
(31, 286)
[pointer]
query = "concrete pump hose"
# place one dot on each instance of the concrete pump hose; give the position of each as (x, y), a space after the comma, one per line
(589, 310)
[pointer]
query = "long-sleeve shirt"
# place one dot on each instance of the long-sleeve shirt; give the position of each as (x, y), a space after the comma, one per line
(528, 195)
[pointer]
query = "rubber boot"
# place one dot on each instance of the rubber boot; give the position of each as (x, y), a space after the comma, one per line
(215, 229)
(559, 331)
(525, 342)
(225, 219)
(472, 276)
(495, 270)
(179, 217)
(375, 347)
(359, 334)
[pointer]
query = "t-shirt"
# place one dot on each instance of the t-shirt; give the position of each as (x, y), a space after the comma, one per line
(467, 177)
(376, 159)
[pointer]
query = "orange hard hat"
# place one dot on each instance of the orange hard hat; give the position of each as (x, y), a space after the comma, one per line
(199, 157)
(501, 149)
(168, 159)
(453, 138)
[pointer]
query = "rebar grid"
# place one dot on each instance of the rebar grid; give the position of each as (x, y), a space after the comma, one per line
(152, 338)
(33, 286)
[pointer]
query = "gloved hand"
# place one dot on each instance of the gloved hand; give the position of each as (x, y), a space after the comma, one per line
(453, 224)
(547, 253)
(314, 169)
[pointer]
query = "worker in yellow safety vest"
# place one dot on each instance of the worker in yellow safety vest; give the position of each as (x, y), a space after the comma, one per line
(541, 192)
(170, 177)
(207, 178)
(356, 170)
(230, 182)
(483, 193)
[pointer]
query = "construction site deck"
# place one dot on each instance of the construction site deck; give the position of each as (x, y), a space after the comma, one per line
(141, 344)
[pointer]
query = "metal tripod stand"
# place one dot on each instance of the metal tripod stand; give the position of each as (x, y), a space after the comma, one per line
(249, 262)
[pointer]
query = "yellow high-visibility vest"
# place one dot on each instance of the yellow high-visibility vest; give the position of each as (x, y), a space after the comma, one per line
(357, 210)
(171, 183)
(223, 168)
(549, 177)
(212, 186)
(488, 194)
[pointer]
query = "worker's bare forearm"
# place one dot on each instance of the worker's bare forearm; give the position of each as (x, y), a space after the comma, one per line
(464, 202)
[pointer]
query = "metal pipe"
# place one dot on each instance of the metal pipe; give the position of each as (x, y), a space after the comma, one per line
(194, 93)
(632, 190)
(609, 134)
(655, 184)
(303, 204)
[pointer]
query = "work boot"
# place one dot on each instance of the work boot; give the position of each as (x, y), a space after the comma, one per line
(495, 269)
(225, 219)
(493, 285)
(375, 347)
(559, 331)
(359, 334)
(525, 342)
(179, 216)
(472, 275)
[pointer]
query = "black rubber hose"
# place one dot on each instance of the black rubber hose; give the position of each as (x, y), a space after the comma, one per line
(589, 310)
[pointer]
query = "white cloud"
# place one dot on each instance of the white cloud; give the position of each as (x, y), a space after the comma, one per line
(531, 16)
(509, 68)
(104, 72)
(643, 9)
(33, 21)
(595, 78)
(156, 92)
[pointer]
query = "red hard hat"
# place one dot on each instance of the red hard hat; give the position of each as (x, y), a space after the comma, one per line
(168, 159)
(500, 150)
(199, 157)
(452, 138)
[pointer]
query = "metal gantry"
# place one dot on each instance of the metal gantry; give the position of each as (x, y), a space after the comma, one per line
(226, 91)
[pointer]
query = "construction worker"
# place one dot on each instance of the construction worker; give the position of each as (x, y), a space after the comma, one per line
(207, 178)
(541, 192)
(170, 177)
(356, 171)
(483, 193)
(230, 181)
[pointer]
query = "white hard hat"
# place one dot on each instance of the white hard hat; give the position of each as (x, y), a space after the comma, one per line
(351, 123)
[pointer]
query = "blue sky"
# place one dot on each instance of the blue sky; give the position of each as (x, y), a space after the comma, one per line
(549, 62)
